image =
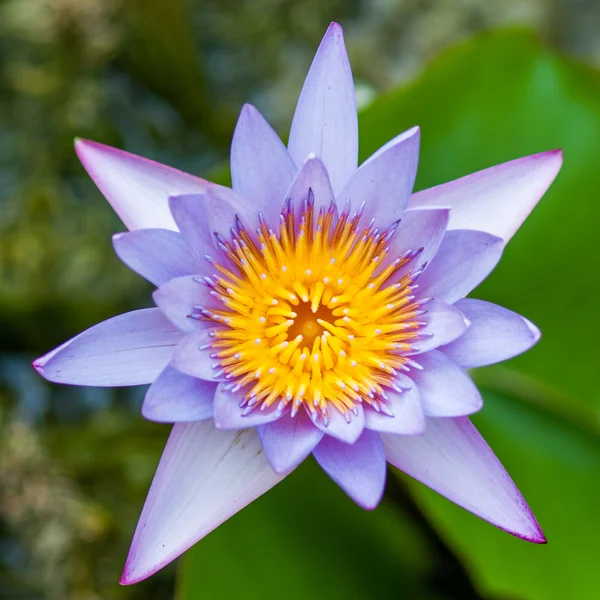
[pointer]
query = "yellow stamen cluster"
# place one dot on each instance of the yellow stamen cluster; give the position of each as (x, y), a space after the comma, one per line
(315, 315)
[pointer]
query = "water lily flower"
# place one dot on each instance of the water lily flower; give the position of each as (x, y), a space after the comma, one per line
(316, 307)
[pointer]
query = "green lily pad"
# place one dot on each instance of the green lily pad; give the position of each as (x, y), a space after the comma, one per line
(496, 98)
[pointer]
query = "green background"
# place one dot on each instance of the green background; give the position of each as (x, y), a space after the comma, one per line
(76, 463)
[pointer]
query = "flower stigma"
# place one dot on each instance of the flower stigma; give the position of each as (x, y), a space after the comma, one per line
(316, 314)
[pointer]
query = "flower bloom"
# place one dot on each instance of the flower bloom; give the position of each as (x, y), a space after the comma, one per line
(316, 307)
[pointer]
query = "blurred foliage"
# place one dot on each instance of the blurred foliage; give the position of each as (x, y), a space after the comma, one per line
(506, 96)
(166, 79)
(322, 546)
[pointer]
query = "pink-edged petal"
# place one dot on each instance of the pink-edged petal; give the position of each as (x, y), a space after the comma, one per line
(204, 477)
(446, 389)
(177, 299)
(385, 181)
(453, 459)
(445, 323)
(418, 228)
(192, 356)
(311, 182)
(325, 122)
(228, 413)
(137, 188)
(340, 428)
(359, 468)
(178, 398)
(156, 254)
(289, 440)
(495, 334)
(498, 199)
(261, 168)
(407, 416)
(130, 349)
(190, 214)
(464, 260)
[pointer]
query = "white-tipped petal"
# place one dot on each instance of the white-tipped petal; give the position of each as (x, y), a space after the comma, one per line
(204, 477)
(453, 459)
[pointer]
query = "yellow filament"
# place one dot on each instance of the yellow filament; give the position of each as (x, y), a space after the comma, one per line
(316, 316)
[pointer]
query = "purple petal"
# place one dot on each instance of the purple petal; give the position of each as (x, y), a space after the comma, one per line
(495, 334)
(359, 468)
(177, 299)
(178, 398)
(385, 181)
(498, 199)
(446, 390)
(454, 460)
(312, 177)
(325, 121)
(463, 261)
(444, 321)
(289, 440)
(137, 188)
(130, 349)
(156, 254)
(408, 417)
(192, 356)
(190, 214)
(261, 168)
(341, 429)
(204, 477)
(228, 413)
(223, 205)
(418, 228)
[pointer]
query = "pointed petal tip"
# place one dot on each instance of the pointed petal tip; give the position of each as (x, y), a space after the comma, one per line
(130, 577)
(532, 532)
(38, 365)
(334, 29)
(554, 158)
(535, 330)
(83, 146)
(536, 538)
(248, 108)
(371, 503)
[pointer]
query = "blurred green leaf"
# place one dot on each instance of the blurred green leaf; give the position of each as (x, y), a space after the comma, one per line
(305, 539)
(498, 97)
(557, 467)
